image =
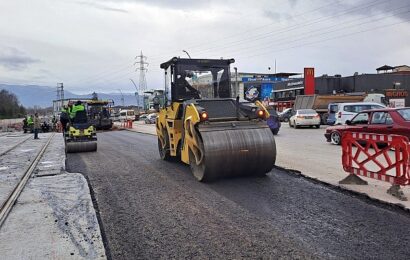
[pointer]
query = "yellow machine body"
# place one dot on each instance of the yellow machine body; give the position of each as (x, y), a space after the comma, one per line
(217, 136)
(80, 138)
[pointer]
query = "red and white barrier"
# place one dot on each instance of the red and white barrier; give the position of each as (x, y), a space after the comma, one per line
(377, 156)
(127, 124)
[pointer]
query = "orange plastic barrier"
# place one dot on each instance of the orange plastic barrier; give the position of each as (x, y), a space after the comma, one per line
(129, 124)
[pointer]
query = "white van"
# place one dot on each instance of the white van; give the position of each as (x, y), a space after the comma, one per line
(346, 111)
(127, 115)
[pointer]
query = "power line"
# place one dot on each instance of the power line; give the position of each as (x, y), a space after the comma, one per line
(244, 31)
(294, 27)
(266, 35)
(331, 38)
(316, 33)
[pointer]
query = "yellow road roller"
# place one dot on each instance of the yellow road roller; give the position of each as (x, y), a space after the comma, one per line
(203, 126)
(80, 134)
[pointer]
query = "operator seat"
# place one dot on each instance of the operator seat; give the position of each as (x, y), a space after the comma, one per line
(80, 120)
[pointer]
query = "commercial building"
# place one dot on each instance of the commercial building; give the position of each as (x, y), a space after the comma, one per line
(394, 82)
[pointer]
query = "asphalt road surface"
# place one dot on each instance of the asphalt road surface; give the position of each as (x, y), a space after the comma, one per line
(154, 209)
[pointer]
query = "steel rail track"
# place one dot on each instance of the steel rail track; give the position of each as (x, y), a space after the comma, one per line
(14, 146)
(12, 198)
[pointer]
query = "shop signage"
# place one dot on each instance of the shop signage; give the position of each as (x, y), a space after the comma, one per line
(396, 93)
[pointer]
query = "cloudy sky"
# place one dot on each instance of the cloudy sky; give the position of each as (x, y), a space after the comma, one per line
(90, 45)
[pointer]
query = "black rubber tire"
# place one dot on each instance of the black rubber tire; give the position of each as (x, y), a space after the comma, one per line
(164, 154)
(285, 119)
(335, 138)
(276, 131)
(297, 126)
(317, 126)
(199, 171)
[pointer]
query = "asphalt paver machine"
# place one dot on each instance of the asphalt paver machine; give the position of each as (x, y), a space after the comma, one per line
(80, 134)
(203, 126)
(99, 113)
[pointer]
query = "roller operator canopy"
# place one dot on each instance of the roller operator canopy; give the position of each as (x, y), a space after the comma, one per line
(198, 78)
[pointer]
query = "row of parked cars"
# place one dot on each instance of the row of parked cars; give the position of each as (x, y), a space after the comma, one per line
(378, 121)
(362, 117)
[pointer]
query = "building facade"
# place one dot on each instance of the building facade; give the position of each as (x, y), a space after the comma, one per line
(395, 84)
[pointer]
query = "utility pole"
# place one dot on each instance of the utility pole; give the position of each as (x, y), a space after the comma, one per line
(141, 60)
(60, 97)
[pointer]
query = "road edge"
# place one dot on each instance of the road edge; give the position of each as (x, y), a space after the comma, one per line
(361, 195)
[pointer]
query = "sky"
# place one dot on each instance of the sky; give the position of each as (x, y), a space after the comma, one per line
(91, 45)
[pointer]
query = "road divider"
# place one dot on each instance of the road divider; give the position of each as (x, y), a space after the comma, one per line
(377, 156)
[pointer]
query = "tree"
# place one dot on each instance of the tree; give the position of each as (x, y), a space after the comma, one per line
(9, 106)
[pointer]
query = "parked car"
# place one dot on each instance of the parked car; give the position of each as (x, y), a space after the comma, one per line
(285, 115)
(143, 117)
(151, 118)
(273, 121)
(378, 121)
(346, 111)
(115, 117)
(305, 117)
(332, 109)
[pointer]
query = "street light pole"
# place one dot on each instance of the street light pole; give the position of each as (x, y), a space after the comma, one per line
(137, 96)
(122, 97)
(187, 53)
(236, 81)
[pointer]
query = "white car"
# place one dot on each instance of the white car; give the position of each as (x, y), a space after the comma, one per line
(305, 117)
(346, 111)
(151, 118)
(126, 115)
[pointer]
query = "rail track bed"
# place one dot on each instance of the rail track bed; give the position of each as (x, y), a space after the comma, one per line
(19, 158)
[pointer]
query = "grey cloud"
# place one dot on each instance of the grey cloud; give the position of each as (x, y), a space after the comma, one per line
(175, 4)
(397, 8)
(275, 16)
(102, 6)
(14, 59)
(293, 2)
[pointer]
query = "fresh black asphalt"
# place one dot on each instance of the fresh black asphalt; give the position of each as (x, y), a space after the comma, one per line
(153, 209)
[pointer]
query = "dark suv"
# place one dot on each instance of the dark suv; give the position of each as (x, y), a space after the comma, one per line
(285, 115)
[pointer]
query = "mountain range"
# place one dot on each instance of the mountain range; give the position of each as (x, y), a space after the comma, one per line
(43, 96)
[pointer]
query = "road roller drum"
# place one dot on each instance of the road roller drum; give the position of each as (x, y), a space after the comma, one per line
(81, 147)
(232, 151)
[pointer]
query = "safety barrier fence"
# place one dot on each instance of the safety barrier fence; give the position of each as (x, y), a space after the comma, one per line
(377, 156)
